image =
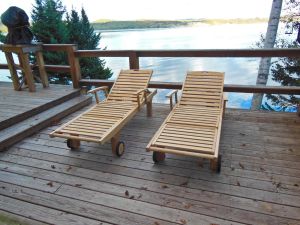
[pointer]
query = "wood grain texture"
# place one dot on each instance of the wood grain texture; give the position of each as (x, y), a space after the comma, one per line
(259, 181)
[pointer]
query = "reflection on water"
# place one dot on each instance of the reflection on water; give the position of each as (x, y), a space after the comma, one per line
(237, 70)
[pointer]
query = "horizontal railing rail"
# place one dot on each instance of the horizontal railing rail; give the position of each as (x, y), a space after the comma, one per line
(133, 55)
(227, 87)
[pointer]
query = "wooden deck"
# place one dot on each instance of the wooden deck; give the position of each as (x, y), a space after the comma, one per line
(41, 181)
(18, 105)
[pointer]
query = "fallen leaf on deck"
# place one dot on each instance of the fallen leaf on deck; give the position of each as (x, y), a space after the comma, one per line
(78, 185)
(50, 184)
(182, 221)
(242, 134)
(69, 168)
(131, 197)
(262, 169)
(243, 145)
(140, 195)
(164, 186)
(143, 188)
(127, 193)
(156, 223)
(238, 183)
(184, 183)
(232, 168)
(296, 185)
(241, 165)
(52, 166)
(188, 205)
(291, 150)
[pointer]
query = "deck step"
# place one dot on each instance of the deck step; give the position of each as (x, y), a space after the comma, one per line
(27, 127)
(36, 110)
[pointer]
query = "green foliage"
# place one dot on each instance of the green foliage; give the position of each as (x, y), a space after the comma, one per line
(285, 70)
(49, 27)
(2, 37)
(83, 34)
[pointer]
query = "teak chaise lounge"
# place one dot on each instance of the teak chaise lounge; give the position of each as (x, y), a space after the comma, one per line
(104, 121)
(193, 127)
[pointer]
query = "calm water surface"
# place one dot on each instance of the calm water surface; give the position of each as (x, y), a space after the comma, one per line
(237, 70)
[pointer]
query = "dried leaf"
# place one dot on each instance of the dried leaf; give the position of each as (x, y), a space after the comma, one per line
(78, 185)
(232, 168)
(164, 186)
(126, 193)
(2, 187)
(131, 197)
(242, 134)
(144, 188)
(182, 221)
(296, 185)
(262, 169)
(52, 166)
(278, 185)
(291, 150)
(69, 168)
(139, 196)
(241, 165)
(184, 183)
(143, 158)
(188, 205)
(156, 223)
(238, 183)
(50, 184)
(243, 145)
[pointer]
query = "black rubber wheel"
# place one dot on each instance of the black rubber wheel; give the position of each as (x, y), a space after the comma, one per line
(219, 164)
(120, 149)
(158, 157)
(70, 145)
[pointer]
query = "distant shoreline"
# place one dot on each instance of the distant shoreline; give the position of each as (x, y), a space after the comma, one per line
(109, 25)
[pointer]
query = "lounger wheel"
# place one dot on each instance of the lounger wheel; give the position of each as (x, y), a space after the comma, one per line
(73, 144)
(120, 148)
(158, 157)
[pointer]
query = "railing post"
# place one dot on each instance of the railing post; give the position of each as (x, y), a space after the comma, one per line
(74, 66)
(134, 60)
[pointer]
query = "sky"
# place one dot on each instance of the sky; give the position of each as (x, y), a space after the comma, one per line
(159, 9)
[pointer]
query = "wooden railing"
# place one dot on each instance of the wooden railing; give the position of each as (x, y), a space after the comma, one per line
(134, 55)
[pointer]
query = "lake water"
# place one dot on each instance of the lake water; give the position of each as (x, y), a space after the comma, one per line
(228, 36)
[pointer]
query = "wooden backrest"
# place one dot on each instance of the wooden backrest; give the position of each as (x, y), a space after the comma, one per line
(202, 88)
(128, 83)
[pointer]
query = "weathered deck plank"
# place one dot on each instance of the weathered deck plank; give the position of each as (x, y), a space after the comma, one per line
(259, 182)
(16, 106)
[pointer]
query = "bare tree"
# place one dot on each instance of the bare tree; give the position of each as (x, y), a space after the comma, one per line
(265, 63)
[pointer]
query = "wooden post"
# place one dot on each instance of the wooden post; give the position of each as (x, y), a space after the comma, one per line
(74, 66)
(24, 61)
(13, 71)
(134, 61)
(42, 71)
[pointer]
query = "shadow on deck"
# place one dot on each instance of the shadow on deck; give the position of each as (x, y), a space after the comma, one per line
(41, 180)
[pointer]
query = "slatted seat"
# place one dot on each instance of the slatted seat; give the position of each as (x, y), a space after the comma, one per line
(104, 121)
(194, 125)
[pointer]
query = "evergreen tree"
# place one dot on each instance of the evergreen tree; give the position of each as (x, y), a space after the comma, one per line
(49, 28)
(286, 70)
(2, 37)
(82, 33)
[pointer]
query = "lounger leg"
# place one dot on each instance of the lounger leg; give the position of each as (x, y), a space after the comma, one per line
(149, 108)
(215, 164)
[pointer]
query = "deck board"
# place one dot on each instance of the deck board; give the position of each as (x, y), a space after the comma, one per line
(15, 106)
(259, 182)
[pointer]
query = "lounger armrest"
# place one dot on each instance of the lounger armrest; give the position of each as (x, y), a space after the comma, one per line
(95, 90)
(170, 96)
(145, 91)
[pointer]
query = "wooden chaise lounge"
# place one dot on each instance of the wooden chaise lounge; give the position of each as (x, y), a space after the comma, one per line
(104, 121)
(193, 127)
